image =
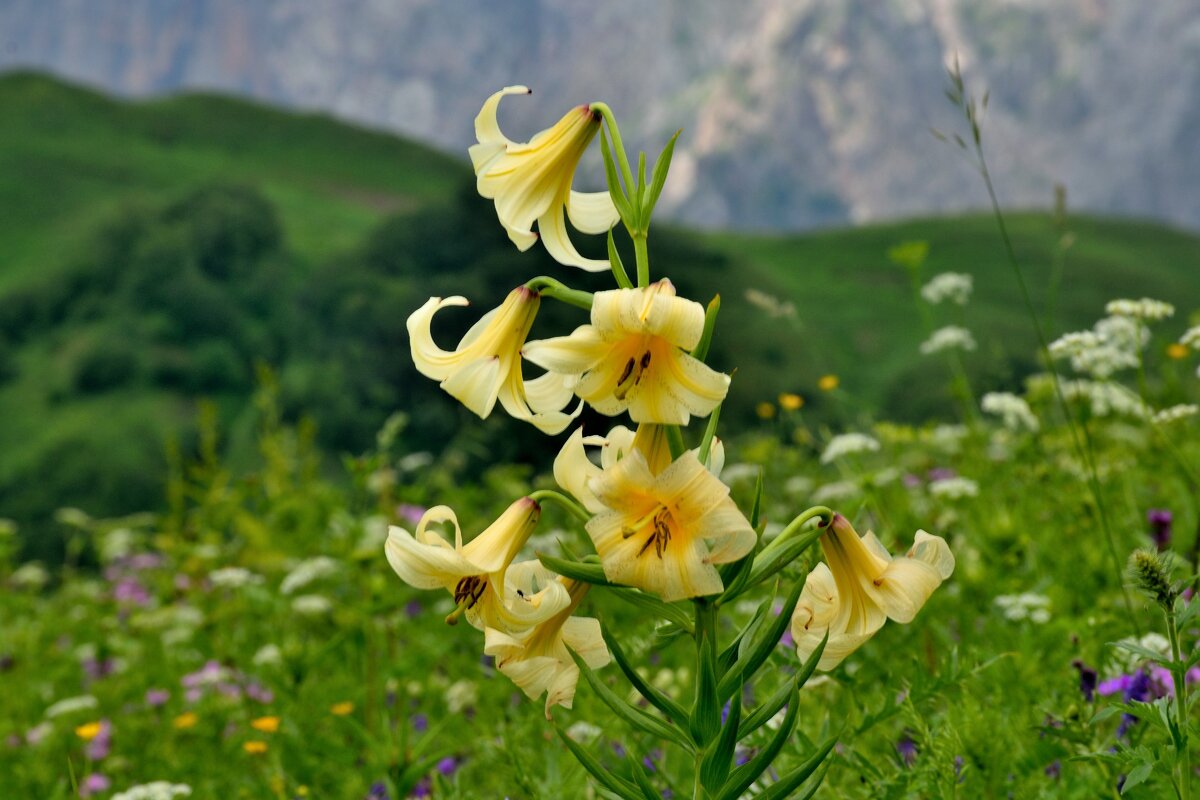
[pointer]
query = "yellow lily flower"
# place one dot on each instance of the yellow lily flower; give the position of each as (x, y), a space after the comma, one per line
(532, 181)
(486, 365)
(537, 661)
(632, 356)
(573, 469)
(475, 573)
(663, 533)
(862, 587)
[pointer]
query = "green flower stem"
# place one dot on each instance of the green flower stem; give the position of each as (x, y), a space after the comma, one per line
(1179, 674)
(824, 512)
(549, 287)
(643, 258)
(706, 638)
(618, 144)
(572, 508)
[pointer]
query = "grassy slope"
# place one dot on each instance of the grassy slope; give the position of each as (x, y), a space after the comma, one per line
(69, 158)
(860, 308)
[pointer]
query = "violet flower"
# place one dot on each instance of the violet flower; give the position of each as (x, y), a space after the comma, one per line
(1160, 527)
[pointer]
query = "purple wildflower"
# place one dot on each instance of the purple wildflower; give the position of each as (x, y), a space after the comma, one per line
(156, 698)
(959, 761)
(94, 783)
(95, 669)
(742, 755)
(907, 749)
(1054, 770)
(447, 766)
(130, 591)
(420, 723)
(424, 788)
(7, 661)
(1160, 527)
(259, 693)
(410, 513)
(100, 746)
(941, 474)
(1087, 679)
(910, 480)
(650, 761)
(618, 749)
(378, 791)
(413, 609)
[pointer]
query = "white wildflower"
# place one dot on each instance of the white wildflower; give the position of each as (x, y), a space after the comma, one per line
(269, 655)
(769, 303)
(461, 695)
(233, 578)
(117, 543)
(158, 790)
(953, 286)
(583, 732)
(954, 488)
(415, 461)
(1114, 343)
(1191, 337)
(1105, 398)
(838, 491)
(71, 705)
(948, 437)
(308, 571)
(1144, 309)
(846, 444)
(1012, 409)
(1176, 413)
(951, 337)
(30, 576)
(1028, 605)
(312, 605)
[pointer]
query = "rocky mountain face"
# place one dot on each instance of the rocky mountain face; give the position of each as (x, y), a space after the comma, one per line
(796, 113)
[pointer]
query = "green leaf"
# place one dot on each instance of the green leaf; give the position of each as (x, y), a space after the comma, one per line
(714, 769)
(767, 710)
(618, 266)
(700, 351)
(614, 183)
(1137, 775)
(748, 773)
(575, 570)
(710, 433)
(782, 789)
(729, 655)
(639, 776)
(669, 611)
(637, 718)
(706, 715)
(773, 559)
(661, 166)
(655, 697)
(756, 509)
(735, 576)
(618, 786)
(675, 441)
(765, 643)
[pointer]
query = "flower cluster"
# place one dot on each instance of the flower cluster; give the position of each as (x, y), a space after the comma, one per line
(1012, 409)
(951, 337)
(954, 287)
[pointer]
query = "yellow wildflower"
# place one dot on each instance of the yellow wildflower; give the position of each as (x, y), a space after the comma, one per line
(486, 365)
(791, 402)
(1176, 351)
(474, 573)
(184, 721)
(532, 182)
(88, 731)
(828, 383)
(265, 724)
(632, 356)
(765, 410)
(255, 747)
(537, 659)
(663, 533)
(863, 586)
(342, 709)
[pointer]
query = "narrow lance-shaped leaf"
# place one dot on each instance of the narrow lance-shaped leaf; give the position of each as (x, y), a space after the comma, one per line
(618, 266)
(706, 714)
(634, 716)
(614, 183)
(619, 786)
(765, 643)
(639, 777)
(661, 166)
(647, 602)
(714, 769)
(700, 351)
(655, 697)
(783, 788)
(772, 560)
(741, 778)
(729, 655)
(575, 570)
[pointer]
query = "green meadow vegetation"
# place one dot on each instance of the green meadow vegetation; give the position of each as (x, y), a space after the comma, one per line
(211, 418)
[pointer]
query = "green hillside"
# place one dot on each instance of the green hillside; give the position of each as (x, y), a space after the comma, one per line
(156, 253)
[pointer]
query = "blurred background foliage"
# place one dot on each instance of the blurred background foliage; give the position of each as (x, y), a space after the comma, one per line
(158, 253)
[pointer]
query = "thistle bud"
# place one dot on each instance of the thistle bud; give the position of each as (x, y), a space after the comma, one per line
(1150, 573)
